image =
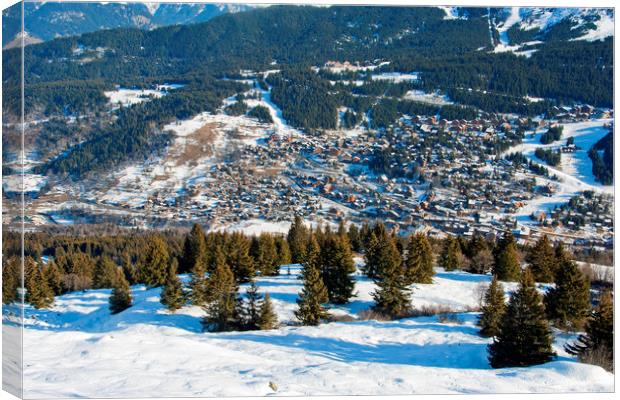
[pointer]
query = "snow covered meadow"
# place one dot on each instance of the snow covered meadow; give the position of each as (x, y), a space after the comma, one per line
(77, 349)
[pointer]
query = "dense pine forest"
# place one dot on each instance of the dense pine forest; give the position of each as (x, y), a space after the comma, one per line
(445, 53)
(218, 262)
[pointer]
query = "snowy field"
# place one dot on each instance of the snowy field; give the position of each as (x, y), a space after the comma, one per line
(575, 170)
(146, 351)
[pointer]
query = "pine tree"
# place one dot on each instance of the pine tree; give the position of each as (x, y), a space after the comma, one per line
(198, 284)
(194, 249)
(53, 276)
(129, 270)
(154, 267)
(38, 292)
(596, 346)
(479, 255)
(506, 259)
(542, 260)
(337, 265)
(451, 256)
(238, 257)
(266, 256)
(524, 336)
(392, 295)
(11, 279)
(283, 251)
(172, 295)
(120, 299)
(419, 261)
(223, 303)
(105, 273)
(297, 240)
(381, 251)
(314, 293)
(268, 318)
(493, 309)
(355, 238)
(568, 303)
(252, 309)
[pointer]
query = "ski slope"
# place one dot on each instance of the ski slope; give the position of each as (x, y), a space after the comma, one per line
(77, 349)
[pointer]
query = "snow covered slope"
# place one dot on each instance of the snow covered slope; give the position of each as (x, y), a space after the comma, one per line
(77, 349)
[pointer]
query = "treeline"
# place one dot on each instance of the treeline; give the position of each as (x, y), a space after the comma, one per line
(388, 110)
(550, 156)
(552, 134)
(137, 130)
(304, 98)
(603, 167)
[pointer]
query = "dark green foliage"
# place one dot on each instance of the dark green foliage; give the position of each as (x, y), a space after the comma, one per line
(553, 134)
(506, 257)
(355, 238)
(451, 256)
(596, 346)
(11, 279)
(222, 309)
(252, 307)
(265, 255)
(283, 251)
(268, 319)
(237, 108)
(194, 249)
(314, 293)
(479, 255)
(551, 157)
(568, 303)
(392, 295)
(380, 251)
(198, 284)
(524, 336)
(603, 167)
(542, 260)
(297, 240)
(172, 295)
(105, 273)
(238, 257)
(493, 309)
(120, 299)
(38, 292)
(154, 266)
(261, 113)
(419, 261)
(337, 266)
(53, 275)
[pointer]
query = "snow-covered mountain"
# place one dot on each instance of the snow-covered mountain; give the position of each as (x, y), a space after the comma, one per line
(47, 20)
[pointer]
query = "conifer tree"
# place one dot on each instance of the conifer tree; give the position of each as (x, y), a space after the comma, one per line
(451, 255)
(568, 303)
(267, 318)
(194, 249)
(252, 309)
(283, 251)
(506, 259)
(266, 256)
(297, 240)
(172, 295)
(342, 228)
(314, 293)
(129, 270)
(381, 251)
(419, 261)
(53, 276)
(479, 255)
(493, 309)
(105, 273)
(238, 257)
(337, 265)
(596, 346)
(11, 279)
(223, 303)
(38, 292)
(355, 238)
(154, 267)
(120, 299)
(198, 284)
(524, 336)
(392, 295)
(542, 260)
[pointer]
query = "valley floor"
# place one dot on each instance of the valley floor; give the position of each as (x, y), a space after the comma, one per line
(77, 349)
